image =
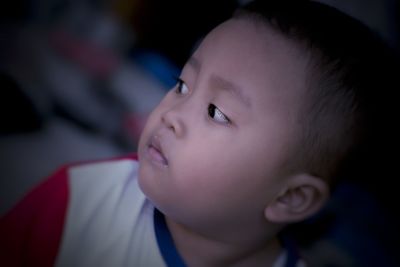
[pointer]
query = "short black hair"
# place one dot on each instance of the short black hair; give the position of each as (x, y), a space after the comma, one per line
(350, 79)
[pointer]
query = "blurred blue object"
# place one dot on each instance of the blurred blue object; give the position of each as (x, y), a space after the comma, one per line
(364, 227)
(355, 229)
(157, 65)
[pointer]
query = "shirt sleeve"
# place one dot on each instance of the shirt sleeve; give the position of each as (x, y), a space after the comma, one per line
(30, 233)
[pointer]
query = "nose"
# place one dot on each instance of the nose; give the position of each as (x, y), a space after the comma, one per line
(173, 120)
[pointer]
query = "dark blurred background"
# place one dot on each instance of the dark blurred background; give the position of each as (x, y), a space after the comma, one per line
(78, 78)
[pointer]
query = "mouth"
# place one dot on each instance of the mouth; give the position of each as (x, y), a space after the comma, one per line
(155, 152)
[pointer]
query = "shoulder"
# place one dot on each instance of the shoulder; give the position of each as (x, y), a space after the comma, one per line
(97, 179)
(55, 188)
(105, 209)
(100, 169)
(31, 231)
(91, 182)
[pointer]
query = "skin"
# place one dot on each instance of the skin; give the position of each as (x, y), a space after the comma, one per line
(213, 158)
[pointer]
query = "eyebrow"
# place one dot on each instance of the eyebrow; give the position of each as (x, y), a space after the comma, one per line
(218, 82)
(194, 62)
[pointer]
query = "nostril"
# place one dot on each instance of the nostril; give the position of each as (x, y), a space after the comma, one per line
(169, 124)
(173, 120)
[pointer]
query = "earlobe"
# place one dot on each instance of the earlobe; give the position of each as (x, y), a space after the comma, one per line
(303, 196)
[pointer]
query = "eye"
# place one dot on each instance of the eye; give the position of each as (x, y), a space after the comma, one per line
(217, 114)
(181, 87)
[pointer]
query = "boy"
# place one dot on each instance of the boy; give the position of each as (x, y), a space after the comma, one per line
(261, 122)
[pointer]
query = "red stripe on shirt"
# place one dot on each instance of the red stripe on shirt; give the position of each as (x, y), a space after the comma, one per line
(31, 231)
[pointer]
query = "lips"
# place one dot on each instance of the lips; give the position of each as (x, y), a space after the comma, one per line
(155, 152)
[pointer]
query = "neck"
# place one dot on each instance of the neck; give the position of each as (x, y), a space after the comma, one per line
(199, 250)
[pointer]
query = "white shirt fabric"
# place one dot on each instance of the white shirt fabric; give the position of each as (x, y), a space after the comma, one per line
(109, 221)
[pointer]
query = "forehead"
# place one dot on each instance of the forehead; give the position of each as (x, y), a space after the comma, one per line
(266, 65)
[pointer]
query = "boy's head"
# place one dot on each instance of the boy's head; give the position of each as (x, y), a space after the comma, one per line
(261, 120)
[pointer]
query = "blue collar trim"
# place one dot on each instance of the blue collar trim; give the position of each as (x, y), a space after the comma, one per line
(165, 241)
(173, 259)
(292, 252)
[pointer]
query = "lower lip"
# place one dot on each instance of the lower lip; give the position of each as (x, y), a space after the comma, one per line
(156, 156)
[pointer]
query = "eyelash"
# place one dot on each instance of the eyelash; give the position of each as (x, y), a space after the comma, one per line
(179, 86)
(212, 109)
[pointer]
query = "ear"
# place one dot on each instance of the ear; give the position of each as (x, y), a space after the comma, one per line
(302, 197)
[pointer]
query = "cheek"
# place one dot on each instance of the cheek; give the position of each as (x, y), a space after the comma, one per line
(150, 124)
(215, 170)
(216, 185)
(232, 163)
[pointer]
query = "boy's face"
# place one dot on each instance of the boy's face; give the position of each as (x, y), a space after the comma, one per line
(214, 149)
